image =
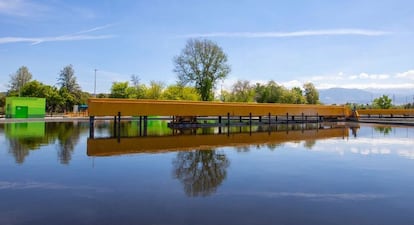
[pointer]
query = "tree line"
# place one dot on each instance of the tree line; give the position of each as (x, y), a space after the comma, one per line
(59, 98)
(199, 67)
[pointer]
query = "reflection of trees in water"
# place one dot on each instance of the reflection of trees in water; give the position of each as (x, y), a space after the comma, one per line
(383, 130)
(309, 144)
(200, 171)
(19, 148)
(67, 135)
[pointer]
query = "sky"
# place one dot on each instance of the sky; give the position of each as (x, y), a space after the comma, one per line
(349, 44)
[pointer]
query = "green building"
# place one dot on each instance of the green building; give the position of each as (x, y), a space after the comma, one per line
(25, 107)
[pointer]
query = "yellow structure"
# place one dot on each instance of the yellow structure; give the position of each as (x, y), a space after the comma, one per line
(386, 112)
(129, 107)
(156, 144)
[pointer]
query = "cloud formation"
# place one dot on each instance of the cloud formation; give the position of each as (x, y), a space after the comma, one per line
(78, 36)
(22, 8)
(304, 33)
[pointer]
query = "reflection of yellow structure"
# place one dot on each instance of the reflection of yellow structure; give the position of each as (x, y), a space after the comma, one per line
(114, 146)
(128, 107)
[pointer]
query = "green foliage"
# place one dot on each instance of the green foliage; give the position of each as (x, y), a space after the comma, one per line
(178, 92)
(242, 91)
(383, 102)
(2, 102)
(69, 88)
(269, 93)
(67, 80)
(122, 90)
(102, 95)
(55, 100)
(202, 63)
(33, 89)
(155, 90)
(19, 79)
(311, 94)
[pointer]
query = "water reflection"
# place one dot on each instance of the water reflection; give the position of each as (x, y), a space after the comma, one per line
(25, 137)
(383, 130)
(200, 171)
(272, 138)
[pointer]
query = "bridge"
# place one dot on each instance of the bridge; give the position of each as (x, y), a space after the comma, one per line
(136, 107)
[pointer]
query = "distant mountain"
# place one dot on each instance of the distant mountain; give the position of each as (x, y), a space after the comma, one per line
(344, 95)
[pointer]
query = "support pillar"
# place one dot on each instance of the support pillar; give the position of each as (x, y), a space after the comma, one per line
(145, 125)
(91, 126)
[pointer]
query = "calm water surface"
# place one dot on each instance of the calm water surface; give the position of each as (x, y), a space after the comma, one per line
(52, 173)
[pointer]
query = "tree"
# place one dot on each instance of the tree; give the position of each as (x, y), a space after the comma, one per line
(179, 92)
(54, 98)
(311, 94)
(67, 80)
(19, 79)
(202, 63)
(122, 90)
(155, 90)
(2, 102)
(298, 95)
(69, 87)
(269, 93)
(242, 91)
(383, 102)
(33, 89)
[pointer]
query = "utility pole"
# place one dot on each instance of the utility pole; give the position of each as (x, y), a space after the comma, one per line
(94, 89)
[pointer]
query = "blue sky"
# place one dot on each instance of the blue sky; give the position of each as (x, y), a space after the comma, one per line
(351, 44)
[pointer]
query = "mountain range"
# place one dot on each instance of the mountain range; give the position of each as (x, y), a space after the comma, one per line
(364, 96)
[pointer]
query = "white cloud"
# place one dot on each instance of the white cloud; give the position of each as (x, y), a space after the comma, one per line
(21, 8)
(303, 33)
(71, 37)
(408, 74)
(361, 81)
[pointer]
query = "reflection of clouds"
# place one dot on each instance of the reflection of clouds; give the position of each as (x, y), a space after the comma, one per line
(367, 146)
(317, 196)
(6, 185)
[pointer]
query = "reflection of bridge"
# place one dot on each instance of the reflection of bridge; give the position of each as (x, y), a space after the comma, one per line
(157, 144)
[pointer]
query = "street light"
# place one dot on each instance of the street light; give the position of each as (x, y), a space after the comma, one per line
(94, 89)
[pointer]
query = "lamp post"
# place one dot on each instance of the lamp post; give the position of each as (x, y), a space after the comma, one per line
(94, 88)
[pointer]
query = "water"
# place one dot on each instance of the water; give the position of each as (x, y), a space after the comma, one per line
(51, 173)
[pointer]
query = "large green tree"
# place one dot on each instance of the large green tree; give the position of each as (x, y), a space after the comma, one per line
(202, 63)
(69, 87)
(67, 79)
(18, 80)
(311, 93)
(383, 102)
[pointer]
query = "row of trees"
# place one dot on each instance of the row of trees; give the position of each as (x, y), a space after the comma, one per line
(201, 64)
(59, 98)
(242, 91)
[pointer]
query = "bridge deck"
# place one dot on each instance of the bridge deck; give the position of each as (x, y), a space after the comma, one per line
(387, 112)
(128, 107)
